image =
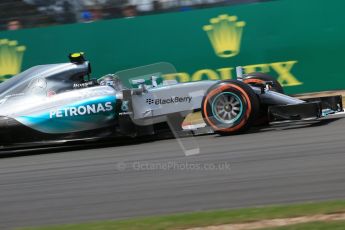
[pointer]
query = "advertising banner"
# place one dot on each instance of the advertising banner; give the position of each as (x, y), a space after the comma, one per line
(299, 42)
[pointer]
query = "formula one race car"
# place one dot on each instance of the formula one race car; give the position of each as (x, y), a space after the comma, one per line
(59, 103)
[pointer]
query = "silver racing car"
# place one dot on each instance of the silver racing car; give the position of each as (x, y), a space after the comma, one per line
(59, 103)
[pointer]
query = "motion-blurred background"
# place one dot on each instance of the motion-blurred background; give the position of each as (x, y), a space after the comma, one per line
(299, 42)
(16, 14)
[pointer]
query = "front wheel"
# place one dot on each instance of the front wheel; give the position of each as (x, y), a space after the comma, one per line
(257, 78)
(230, 107)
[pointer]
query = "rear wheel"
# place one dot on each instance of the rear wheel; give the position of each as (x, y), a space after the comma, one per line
(260, 79)
(230, 107)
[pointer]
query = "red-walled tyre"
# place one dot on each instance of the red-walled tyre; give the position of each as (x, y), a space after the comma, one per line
(260, 78)
(230, 107)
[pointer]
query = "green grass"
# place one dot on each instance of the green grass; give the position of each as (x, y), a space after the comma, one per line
(198, 219)
(333, 225)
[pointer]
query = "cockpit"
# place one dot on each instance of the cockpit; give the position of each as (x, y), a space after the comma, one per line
(49, 79)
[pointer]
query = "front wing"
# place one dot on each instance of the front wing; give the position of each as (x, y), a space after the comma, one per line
(312, 109)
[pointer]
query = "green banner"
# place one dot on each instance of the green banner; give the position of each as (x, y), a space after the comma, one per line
(299, 42)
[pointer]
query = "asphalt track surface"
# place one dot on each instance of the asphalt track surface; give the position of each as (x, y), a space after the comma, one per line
(277, 165)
